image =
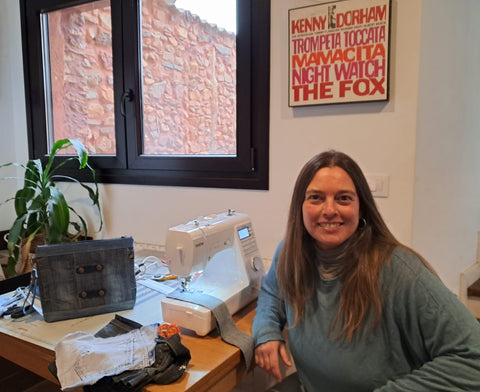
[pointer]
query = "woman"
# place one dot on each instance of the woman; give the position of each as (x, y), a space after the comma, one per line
(363, 312)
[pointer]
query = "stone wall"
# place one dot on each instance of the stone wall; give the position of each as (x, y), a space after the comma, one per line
(189, 80)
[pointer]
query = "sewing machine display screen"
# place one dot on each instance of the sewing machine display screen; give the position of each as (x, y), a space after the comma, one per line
(243, 233)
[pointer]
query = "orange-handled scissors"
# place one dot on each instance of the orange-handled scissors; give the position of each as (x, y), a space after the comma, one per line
(161, 278)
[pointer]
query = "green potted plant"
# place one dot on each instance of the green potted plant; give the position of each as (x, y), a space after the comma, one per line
(43, 215)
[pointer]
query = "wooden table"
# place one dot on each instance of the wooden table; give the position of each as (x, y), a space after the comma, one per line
(215, 365)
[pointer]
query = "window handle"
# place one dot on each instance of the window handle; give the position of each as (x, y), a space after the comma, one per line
(127, 95)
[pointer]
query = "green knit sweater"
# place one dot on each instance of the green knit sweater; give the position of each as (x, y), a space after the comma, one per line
(427, 340)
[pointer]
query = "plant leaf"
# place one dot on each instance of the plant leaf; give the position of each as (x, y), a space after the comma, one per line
(92, 193)
(15, 233)
(58, 145)
(58, 217)
(33, 172)
(20, 201)
(83, 227)
(81, 152)
(12, 262)
(34, 223)
(42, 208)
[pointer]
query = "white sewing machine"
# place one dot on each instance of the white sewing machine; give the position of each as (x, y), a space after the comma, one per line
(215, 255)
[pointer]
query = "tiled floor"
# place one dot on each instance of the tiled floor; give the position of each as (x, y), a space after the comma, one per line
(14, 378)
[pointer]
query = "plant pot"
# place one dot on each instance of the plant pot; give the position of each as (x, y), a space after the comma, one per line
(10, 284)
(27, 254)
(26, 262)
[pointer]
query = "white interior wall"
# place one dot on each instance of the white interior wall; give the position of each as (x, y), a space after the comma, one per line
(447, 185)
(12, 104)
(380, 136)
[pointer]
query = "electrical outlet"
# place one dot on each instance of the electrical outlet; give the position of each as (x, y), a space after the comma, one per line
(379, 184)
(145, 250)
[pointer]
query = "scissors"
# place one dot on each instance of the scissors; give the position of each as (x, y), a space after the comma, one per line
(163, 277)
(17, 295)
(16, 311)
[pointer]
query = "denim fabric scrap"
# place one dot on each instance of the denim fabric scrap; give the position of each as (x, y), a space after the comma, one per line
(171, 360)
(83, 359)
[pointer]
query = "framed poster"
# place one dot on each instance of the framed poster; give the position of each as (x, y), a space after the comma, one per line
(339, 52)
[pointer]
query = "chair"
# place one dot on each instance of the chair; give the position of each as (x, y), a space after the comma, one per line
(468, 280)
(288, 384)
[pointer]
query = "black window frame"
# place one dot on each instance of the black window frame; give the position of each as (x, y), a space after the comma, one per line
(249, 169)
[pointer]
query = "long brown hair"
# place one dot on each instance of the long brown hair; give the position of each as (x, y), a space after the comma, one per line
(371, 246)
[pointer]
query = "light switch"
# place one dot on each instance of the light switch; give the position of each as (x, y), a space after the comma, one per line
(379, 184)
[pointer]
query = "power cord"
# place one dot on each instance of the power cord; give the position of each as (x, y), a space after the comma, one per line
(149, 267)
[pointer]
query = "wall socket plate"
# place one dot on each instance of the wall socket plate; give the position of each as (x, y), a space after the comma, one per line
(379, 184)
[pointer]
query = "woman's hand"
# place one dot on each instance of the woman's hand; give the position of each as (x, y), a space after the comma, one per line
(267, 354)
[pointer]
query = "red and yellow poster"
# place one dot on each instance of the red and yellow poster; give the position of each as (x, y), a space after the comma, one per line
(339, 52)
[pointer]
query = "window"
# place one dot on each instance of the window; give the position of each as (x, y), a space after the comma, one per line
(158, 93)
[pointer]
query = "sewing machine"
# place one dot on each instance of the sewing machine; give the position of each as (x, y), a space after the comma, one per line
(215, 255)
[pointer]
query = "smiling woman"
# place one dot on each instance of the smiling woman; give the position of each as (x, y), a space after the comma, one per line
(331, 208)
(346, 290)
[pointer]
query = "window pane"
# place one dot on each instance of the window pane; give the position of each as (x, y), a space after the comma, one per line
(189, 77)
(238, 158)
(78, 69)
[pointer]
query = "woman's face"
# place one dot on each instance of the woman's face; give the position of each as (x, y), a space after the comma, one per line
(331, 209)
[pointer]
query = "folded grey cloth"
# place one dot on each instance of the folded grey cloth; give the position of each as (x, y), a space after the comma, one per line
(225, 324)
